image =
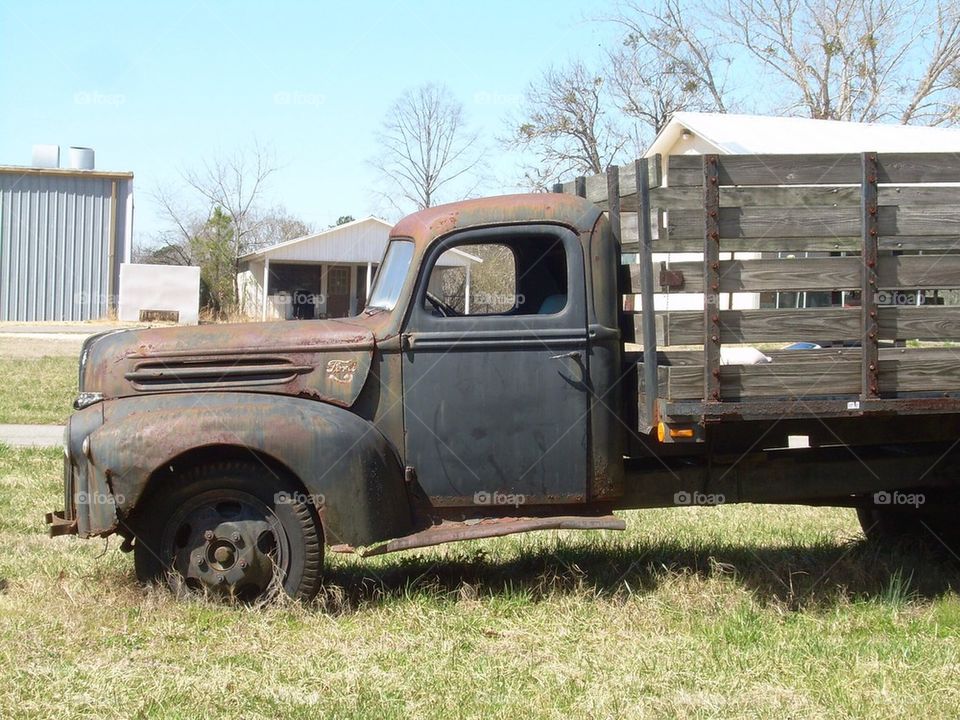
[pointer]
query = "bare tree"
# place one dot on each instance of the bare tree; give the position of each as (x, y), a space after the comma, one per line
(275, 225)
(569, 124)
(426, 149)
(851, 59)
(670, 60)
(235, 183)
(936, 95)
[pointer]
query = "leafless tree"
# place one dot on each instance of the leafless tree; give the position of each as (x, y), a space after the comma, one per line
(851, 59)
(235, 184)
(936, 95)
(426, 150)
(670, 59)
(568, 122)
(275, 225)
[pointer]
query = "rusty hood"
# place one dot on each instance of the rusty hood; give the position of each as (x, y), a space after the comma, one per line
(327, 360)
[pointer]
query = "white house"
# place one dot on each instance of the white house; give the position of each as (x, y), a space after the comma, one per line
(327, 274)
(692, 133)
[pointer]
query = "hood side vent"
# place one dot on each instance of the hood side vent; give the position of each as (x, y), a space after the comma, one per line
(218, 373)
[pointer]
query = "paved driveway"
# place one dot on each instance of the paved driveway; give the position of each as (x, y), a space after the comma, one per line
(31, 435)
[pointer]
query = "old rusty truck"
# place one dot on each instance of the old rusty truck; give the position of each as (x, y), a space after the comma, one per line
(586, 364)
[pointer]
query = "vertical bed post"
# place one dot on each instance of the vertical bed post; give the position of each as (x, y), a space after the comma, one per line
(651, 388)
(711, 280)
(870, 359)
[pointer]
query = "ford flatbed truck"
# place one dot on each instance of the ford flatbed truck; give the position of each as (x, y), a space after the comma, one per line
(229, 458)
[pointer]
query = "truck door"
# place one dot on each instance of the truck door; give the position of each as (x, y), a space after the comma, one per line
(495, 401)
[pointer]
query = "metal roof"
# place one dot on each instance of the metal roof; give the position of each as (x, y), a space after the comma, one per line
(729, 133)
(62, 172)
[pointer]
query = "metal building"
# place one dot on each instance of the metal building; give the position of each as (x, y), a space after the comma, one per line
(63, 235)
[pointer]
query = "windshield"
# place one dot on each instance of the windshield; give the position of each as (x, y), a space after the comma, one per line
(392, 273)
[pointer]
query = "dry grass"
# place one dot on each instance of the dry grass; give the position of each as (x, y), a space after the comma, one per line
(692, 613)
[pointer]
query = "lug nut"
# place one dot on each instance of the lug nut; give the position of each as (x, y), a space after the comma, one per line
(242, 564)
(235, 537)
(209, 535)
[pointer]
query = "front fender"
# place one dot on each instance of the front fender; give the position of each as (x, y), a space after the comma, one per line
(338, 456)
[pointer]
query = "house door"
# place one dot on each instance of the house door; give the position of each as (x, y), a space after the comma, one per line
(338, 291)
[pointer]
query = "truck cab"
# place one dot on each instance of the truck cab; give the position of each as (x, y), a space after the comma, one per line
(467, 403)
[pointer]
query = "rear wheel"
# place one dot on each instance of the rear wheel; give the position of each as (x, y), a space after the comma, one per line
(232, 529)
(937, 528)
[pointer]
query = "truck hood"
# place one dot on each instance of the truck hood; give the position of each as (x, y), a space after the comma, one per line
(327, 360)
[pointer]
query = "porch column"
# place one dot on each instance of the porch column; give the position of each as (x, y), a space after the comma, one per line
(466, 292)
(266, 282)
(352, 310)
(369, 281)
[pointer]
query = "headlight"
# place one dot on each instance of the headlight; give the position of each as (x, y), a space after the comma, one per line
(86, 399)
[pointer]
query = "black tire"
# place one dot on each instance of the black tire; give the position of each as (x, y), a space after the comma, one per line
(937, 529)
(231, 528)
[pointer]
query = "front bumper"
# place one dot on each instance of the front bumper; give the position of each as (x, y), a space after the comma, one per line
(89, 505)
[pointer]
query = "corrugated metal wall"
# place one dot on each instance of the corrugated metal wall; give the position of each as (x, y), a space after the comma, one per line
(59, 259)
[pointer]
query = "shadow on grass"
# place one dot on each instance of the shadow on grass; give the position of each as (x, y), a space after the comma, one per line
(797, 577)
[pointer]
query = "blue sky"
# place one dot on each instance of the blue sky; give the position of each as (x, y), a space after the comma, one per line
(154, 88)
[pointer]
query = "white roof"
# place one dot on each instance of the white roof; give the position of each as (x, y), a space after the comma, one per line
(749, 134)
(358, 241)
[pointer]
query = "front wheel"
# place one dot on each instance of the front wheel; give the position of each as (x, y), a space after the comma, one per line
(234, 530)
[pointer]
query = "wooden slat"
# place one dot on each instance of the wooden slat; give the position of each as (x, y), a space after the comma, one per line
(814, 325)
(910, 195)
(793, 274)
(919, 271)
(772, 380)
(807, 379)
(770, 170)
(673, 358)
(918, 167)
(820, 325)
(895, 168)
(935, 322)
(779, 244)
(689, 198)
(596, 185)
(816, 221)
(750, 326)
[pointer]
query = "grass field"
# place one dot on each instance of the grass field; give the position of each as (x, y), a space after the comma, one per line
(700, 612)
(37, 390)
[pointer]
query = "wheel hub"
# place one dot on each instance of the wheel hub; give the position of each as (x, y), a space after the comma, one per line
(228, 547)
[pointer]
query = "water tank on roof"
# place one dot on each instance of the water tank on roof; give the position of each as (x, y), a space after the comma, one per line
(81, 158)
(46, 156)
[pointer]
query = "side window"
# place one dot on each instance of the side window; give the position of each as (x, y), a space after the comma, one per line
(475, 280)
(524, 275)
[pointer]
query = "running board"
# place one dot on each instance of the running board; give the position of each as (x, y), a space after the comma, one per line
(449, 531)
